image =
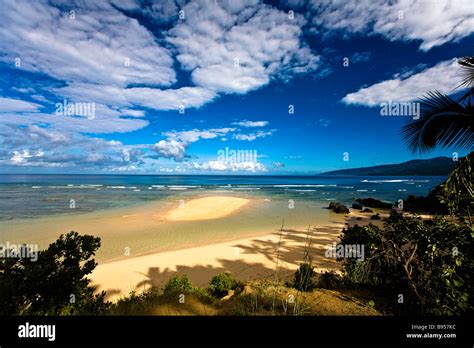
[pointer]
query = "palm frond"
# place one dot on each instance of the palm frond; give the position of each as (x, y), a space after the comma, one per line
(467, 70)
(443, 122)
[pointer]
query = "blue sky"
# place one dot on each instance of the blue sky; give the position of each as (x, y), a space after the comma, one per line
(167, 85)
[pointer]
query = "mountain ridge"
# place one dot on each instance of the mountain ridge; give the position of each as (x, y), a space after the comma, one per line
(437, 166)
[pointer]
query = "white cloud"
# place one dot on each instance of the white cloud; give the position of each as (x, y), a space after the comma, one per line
(16, 105)
(169, 99)
(94, 47)
(43, 147)
(235, 47)
(443, 77)
(194, 135)
(251, 124)
(252, 136)
(20, 158)
(102, 123)
(433, 22)
(153, 98)
(170, 149)
(249, 166)
(177, 142)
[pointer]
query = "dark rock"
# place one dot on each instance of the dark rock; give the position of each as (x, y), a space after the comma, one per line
(357, 206)
(367, 210)
(375, 217)
(373, 203)
(338, 208)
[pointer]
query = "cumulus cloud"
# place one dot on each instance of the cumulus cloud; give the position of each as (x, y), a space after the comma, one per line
(443, 77)
(42, 147)
(431, 22)
(235, 47)
(48, 39)
(170, 149)
(178, 141)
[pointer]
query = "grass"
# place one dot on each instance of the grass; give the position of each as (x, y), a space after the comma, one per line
(255, 298)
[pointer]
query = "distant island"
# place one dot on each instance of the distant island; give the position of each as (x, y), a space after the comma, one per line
(441, 166)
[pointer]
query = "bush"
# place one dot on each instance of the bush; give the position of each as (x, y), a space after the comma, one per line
(329, 280)
(304, 277)
(180, 284)
(222, 283)
(429, 262)
(47, 285)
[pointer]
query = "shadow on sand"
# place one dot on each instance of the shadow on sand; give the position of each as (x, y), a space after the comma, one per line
(289, 253)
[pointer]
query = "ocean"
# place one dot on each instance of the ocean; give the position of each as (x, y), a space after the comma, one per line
(32, 196)
(127, 211)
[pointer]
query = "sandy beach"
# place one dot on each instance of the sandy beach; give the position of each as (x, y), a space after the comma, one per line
(206, 208)
(248, 258)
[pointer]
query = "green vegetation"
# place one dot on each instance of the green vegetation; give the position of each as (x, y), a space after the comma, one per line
(55, 283)
(410, 266)
(178, 284)
(457, 192)
(222, 284)
(304, 277)
(428, 262)
(256, 298)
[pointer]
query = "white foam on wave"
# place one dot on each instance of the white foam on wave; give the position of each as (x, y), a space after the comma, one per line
(86, 186)
(308, 185)
(394, 181)
(183, 186)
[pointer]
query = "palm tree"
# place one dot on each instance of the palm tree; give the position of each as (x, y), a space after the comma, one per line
(444, 121)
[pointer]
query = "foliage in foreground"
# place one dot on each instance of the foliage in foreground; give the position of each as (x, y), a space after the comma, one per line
(55, 283)
(458, 192)
(222, 284)
(178, 284)
(304, 277)
(428, 262)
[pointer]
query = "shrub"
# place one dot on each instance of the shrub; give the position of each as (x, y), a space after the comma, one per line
(304, 277)
(222, 283)
(178, 284)
(329, 280)
(45, 286)
(429, 262)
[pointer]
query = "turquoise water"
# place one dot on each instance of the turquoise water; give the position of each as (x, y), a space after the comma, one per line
(29, 196)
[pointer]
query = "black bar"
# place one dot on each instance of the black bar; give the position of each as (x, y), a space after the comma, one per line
(288, 331)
